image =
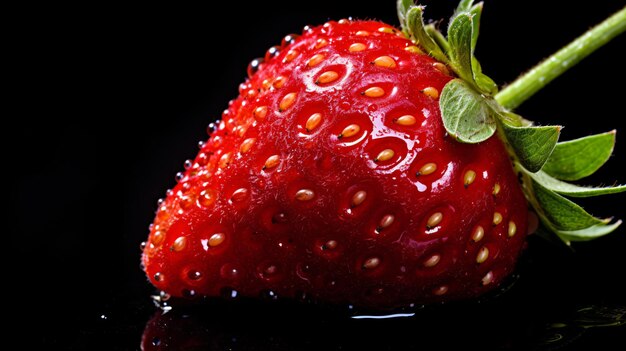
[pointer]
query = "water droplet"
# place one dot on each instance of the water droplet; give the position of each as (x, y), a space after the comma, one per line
(179, 176)
(194, 275)
(229, 293)
(291, 38)
(269, 295)
(254, 66)
(272, 52)
(189, 293)
(229, 271)
(188, 164)
(156, 341)
(201, 144)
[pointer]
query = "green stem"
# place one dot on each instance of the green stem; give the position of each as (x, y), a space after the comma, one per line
(528, 84)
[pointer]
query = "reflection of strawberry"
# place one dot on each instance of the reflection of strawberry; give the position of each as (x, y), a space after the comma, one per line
(332, 177)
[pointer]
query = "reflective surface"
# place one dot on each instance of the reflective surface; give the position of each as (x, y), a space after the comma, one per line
(545, 306)
(117, 99)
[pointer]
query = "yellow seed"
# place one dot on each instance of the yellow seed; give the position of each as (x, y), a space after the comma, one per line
(315, 60)
(497, 218)
(270, 270)
(246, 145)
(358, 198)
(496, 189)
(431, 92)
(362, 33)
(434, 220)
(158, 237)
(385, 61)
(483, 254)
(266, 84)
(179, 244)
(374, 92)
(469, 178)
(272, 162)
(441, 68)
(371, 263)
(478, 234)
(207, 198)
(224, 160)
(216, 239)
(427, 169)
(386, 30)
(313, 121)
(406, 120)
(356, 47)
(440, 290)
(349, 131)
(290, 56)
(287, 101)
(432, 261)
(279, 82)
(305, 195)
(384, 155)
(386, 221)
(512, 229)
(320, 43)
(330, 245)
(413, 49)
(327, 77)
(260, 113)
(488, 278)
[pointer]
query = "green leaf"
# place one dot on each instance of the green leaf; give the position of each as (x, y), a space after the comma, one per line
(462, 37)
(415, 24)
(485, 83)
(588, 233)
(466, 114)
(475, 13)
(463, 7)
(437, 37)
(532, 145)
(561, 213)
(403, 7)
(460, 40)
(512, 119)
(572, 190)
(579, 158)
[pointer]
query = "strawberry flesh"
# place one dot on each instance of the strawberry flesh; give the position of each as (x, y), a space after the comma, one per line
(331, 177)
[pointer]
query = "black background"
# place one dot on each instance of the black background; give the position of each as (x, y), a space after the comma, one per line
(110, 100)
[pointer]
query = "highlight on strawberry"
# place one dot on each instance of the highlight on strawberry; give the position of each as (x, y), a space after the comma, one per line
(379, 167)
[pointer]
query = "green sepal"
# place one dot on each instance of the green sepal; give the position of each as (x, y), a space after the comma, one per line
(415, 25)
(463, 7)
(579, 158)
(572, 190)
(403, 7)
(533, 145)
(438, 37)
(561, 213)
(589, 233)
(466, 115)
(483, 81)
(460, 40)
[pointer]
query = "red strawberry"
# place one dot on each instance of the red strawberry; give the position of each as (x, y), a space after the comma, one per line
(332, 176)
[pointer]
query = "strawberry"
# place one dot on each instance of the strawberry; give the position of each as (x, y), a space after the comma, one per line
(353, 168)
